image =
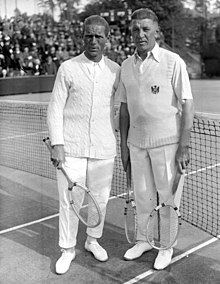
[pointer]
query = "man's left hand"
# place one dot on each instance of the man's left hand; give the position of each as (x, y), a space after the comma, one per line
(182, 158)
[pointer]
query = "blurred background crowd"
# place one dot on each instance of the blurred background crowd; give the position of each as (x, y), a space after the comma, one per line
(33, 45)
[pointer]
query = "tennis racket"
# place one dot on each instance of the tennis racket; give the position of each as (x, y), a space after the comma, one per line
(130, 213)
(81, 199)
(164, 220)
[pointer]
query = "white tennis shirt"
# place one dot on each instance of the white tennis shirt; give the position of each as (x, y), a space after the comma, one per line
(81, 109)
(154, 90)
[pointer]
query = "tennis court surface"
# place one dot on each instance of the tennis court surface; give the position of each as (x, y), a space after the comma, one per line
(29, 211)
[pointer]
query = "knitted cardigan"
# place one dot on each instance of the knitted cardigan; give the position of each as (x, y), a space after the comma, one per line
(80, 112)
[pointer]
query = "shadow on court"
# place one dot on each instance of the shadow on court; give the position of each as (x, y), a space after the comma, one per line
(29, 252)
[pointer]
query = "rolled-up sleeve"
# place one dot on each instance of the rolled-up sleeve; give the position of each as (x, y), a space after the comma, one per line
(121, 94)
(181, 83)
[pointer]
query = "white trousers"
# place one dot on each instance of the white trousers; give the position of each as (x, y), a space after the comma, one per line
(97, 176)
(153, 170)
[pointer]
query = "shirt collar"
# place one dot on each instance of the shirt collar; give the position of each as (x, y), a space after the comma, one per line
(91, 63)
(154, 52)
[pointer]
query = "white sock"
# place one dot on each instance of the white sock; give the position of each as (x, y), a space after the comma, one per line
(72, 249)
(91, 240)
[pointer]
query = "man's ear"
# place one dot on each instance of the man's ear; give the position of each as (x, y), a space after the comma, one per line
(108, 37)
(157, 33)
(107, 43)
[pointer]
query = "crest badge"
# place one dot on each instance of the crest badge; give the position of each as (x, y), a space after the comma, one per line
(155, 89)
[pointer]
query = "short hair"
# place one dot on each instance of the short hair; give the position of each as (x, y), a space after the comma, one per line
(96, 20)
(144, 13)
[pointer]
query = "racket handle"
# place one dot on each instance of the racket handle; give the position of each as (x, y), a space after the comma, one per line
(49, 147)
(128, 173)
(179, 178)
(48, 144)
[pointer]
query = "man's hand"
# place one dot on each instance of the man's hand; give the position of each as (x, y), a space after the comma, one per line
(182, 158)
(182, 154)
(58, 156)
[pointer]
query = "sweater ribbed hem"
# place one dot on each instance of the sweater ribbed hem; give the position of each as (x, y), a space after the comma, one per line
(94, 152)
(153, 142)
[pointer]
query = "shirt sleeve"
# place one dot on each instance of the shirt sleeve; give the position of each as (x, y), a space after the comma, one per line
(56, 107)
(121, 95)
(116, 84)
(181, 83)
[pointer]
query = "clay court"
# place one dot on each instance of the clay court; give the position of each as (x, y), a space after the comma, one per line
(29, 221)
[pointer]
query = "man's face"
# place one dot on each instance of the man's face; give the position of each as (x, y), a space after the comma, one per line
(143, 33)
(94, 41)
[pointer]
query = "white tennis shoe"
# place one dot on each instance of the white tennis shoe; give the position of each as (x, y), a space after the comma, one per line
(98, 252)
(63, 263)
(163, 259)
(137, 250)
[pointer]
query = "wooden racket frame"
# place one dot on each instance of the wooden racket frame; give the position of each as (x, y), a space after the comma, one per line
(178, 182)
(72, 184)
(130, 200)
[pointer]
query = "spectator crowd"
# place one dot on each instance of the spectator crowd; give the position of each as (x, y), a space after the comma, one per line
(33, 46)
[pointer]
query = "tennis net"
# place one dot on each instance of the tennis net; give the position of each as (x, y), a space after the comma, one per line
(23, 127)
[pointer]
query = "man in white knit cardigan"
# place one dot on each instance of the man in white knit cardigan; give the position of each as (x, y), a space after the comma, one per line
(156, 116)
(82, 133)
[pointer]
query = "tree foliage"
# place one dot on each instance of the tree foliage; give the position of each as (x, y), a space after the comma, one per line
(170, 13)
(182, 28)
(65, 6)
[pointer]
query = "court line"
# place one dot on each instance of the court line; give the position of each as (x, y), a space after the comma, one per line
(175, 259)
(139, 277)
(56, 215)
(28, 103)
(203, 169)
(23, 135)
(28, 224)
(40, 220)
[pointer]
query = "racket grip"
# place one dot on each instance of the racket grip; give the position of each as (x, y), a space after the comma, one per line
(128, 173)
(49, 147)
(177, 181)
(48, 144)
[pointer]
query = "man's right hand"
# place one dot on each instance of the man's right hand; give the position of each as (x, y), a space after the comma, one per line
(58, 156)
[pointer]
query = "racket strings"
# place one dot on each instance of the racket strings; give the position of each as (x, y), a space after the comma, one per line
(130, 223)
(93, 215)
(130, 210)
(163, 227)
(130, 217)
(76, 197)
(84, 206)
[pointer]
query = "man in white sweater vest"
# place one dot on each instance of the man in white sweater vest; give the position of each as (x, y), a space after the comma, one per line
(156, 117)
(82, 133)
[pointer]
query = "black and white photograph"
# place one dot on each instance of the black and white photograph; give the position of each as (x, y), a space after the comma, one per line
(109, 141)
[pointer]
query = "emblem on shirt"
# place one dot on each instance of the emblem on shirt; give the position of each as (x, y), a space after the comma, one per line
(155, 89)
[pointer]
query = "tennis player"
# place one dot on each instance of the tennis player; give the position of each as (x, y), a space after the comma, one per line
(81, 129)
(156, 117)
